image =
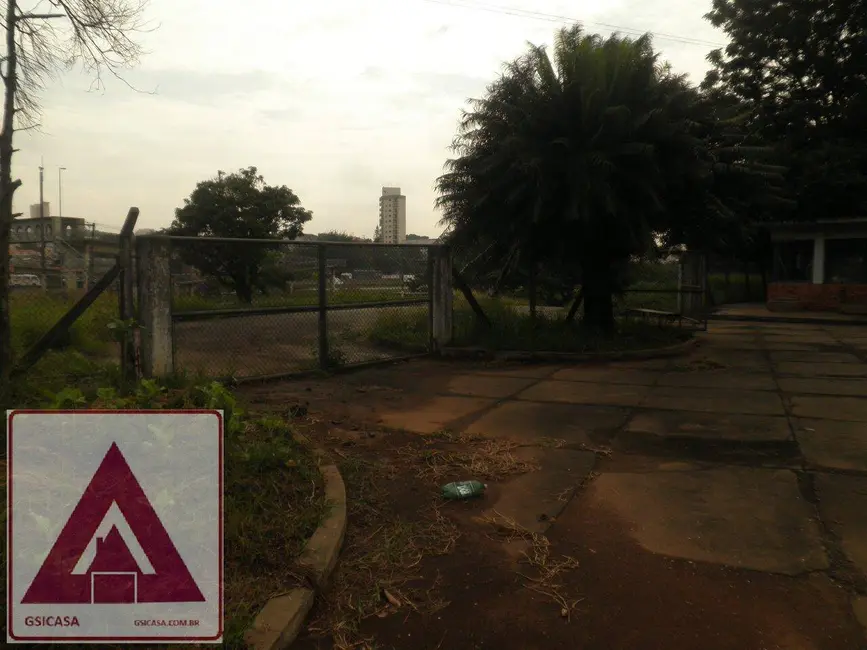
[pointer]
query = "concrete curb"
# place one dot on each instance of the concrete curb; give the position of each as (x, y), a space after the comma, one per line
(795, 320)
(281, 620)
(570, 357)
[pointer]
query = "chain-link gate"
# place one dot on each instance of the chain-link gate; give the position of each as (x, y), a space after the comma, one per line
(250, 309)
(692, 289)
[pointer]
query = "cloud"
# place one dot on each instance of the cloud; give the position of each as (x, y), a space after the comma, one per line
(442, 30)
(424, 88)
(332, 99)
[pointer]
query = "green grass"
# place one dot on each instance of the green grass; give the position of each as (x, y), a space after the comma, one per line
(273, 491)
(274, 502)
(34, 312)
(513, 329)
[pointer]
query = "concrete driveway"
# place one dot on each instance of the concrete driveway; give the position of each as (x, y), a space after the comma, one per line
(749, 453)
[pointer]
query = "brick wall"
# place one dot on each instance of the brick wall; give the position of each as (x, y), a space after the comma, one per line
(818, 297)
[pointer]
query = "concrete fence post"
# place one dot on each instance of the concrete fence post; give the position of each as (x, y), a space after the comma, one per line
(442, 298)
(155, 305)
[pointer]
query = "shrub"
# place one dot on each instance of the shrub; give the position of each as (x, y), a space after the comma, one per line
(513, 329)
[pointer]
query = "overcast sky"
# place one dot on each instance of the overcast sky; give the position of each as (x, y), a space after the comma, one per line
(334, 99)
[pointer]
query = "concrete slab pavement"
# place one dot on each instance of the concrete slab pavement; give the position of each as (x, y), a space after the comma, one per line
(742, 359)
(814, 357)
(744, 384)
(741, 517)
(434, 415)
(827, 407)
(542, 422)
(478, 385)
(713, 400)
(859, 606)
(710, 426)
(535, 500)
(830, 444)
(608, 374)
(718, 379)
(823, 386)
(784, 346)
(842, 505)
(585, 393)
(805, 369)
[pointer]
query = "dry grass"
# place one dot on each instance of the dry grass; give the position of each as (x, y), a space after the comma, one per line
(379, 572)
(560, 443)
(698, 365)
(538, 557)
(464, 455)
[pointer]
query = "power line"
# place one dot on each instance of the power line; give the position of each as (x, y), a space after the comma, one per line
(538, 15)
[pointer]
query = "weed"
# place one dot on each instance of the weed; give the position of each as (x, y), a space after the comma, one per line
(336, 355)
(538, 557)
(381, 557)
(68, 398)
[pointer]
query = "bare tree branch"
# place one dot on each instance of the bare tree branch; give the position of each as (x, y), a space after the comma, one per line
(50, 38)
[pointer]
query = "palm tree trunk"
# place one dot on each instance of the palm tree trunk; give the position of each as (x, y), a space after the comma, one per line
(531, 290)
(598, 298)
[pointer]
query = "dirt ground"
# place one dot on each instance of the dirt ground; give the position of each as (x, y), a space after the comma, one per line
(713, 501)
(254, 346)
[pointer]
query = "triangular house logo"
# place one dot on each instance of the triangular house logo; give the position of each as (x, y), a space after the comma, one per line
(114, 575)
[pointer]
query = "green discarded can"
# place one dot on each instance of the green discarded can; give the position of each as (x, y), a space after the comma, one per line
(463, 490)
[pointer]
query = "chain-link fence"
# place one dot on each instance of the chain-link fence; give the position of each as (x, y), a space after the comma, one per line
(669, 291)
(49, 279)
(256, 308)
(34, 311)
(672, 289)
(733, 281)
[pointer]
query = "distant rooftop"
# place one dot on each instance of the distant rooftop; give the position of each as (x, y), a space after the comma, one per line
(810, 224)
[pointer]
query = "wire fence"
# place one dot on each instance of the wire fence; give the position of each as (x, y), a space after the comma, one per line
(736, 281)
(47, 277)
(34, 311)
(254, 309)
(667, 292)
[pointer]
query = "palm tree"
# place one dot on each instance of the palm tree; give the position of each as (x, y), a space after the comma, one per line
(572, 157)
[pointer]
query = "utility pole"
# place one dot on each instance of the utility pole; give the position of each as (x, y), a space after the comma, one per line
(60, 171)
(42, 224)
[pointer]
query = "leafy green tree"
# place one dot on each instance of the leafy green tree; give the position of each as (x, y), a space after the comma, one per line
(340, 236)
(238, 205)
(798, 67)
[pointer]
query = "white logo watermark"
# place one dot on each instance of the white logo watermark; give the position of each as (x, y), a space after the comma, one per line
(115, 526)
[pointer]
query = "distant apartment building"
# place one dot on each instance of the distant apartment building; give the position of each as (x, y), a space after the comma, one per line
(392, 216)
